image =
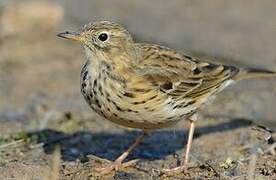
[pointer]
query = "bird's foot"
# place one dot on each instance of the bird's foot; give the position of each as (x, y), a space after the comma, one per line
(114, 166)
(174, 171)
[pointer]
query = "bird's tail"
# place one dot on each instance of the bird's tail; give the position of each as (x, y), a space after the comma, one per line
(248, 73)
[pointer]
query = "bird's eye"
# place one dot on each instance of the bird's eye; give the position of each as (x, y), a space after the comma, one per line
(103, 37)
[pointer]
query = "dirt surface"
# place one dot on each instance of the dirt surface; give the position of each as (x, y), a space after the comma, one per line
(48, 131)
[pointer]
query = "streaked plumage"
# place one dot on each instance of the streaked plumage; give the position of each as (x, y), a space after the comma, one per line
(146, 86)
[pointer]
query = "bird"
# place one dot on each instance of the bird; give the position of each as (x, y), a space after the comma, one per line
(147, 86)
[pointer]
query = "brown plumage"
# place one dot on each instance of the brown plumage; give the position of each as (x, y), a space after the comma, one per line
(146, 86)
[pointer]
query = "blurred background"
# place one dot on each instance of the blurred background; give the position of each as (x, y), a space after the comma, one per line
(39, 73)
(37, 67)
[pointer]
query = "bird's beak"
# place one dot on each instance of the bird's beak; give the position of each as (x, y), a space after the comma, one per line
(75, 36)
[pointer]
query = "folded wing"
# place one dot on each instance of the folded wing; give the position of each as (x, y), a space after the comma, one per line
(182, 77)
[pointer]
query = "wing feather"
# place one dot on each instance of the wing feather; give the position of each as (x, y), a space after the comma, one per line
(181, 76)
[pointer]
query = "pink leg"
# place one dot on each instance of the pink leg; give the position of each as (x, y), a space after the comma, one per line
(189, 143)
(187, 152)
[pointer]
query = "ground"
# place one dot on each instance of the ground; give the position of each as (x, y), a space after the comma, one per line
(222, 149)
(48, 131)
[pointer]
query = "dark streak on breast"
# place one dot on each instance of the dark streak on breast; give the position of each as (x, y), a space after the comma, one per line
(101, 90)
(130, 110)
(97, 103)
(85, 74)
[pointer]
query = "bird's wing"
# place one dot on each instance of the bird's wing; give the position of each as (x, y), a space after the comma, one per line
(181, 76)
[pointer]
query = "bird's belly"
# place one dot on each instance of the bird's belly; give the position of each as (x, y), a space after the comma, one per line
(140, 119)
(129, 115)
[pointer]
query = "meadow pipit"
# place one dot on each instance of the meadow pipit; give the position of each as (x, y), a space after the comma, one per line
(146, 86)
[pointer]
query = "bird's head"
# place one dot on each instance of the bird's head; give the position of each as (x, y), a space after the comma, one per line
(103, 38)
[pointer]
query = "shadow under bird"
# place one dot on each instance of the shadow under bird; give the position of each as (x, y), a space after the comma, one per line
(147, 86)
